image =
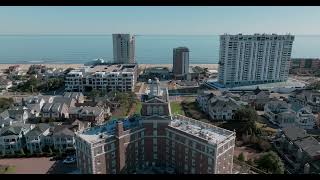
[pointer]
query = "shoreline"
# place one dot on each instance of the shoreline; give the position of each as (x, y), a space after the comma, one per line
(65, 66)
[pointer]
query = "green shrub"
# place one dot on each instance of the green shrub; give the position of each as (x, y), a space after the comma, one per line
(241, 157)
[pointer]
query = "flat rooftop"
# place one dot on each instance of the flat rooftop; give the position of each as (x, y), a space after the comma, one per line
(290, 83)
(208, 132)
(113, 68)
(98, 133)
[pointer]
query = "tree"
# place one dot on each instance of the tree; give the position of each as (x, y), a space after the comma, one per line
(5, 103)
(241, 157)
(246, 116)
(271, 162)
(94, 93)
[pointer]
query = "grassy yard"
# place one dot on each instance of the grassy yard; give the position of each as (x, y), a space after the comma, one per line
(192, 110)
(138, 108)
(176, 108)
(7, 169)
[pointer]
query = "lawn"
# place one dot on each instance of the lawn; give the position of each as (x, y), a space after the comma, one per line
(192, 110)
(7, 169)
(176, 108)
(138, 108)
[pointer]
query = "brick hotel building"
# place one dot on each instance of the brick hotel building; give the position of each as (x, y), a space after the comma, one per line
(155, 139)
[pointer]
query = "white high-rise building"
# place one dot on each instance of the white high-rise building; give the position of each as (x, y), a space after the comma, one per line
(123, 48)
(254, 59)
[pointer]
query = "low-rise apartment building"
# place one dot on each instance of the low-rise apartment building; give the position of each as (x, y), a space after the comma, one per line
(115, 77)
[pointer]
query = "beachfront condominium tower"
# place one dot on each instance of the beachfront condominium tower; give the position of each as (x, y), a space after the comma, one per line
(180, 61)
(123, 48)
(254, 59)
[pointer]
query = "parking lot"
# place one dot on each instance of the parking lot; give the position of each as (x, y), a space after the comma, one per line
(39, 166)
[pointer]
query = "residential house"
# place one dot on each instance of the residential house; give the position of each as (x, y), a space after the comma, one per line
(80, 126)
(17, 114)
(223, 108)
(55, 111)
(5, 84)
(38, 138)
(12, 137)
(305, 119)
(95, 115)
(203, 99)
(305, 98)
(96, 103)
(278, 112)
(70, 102)
(63, 138)
(299, 149)
(256, 98)
(78, 96)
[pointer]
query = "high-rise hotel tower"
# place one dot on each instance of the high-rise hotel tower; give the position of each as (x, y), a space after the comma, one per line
(123, 48)
(180, 61)
(254, 59)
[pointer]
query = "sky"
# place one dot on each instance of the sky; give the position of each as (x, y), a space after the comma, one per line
(144, 20)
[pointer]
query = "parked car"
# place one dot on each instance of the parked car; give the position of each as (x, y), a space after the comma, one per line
(69, 160)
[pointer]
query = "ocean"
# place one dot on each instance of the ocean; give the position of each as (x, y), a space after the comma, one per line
(150, 49)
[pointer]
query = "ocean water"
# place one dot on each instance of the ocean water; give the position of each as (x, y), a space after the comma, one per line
(150, 49)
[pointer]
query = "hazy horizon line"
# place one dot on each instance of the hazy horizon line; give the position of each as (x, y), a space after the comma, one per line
(107, 34)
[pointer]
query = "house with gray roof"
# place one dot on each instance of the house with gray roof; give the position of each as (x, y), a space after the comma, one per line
(12, 138)
(13, 115)
(223, 108)
(299, 149)
(95, 115)
(78, 96)
(256, 98)
(38, 138)
(63, 138)
(55, 111)
(280, 113)
(305, 98)
(70, 102)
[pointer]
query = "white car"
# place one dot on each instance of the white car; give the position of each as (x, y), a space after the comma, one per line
(69, 161)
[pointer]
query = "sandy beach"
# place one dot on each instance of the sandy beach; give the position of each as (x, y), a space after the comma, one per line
(141, 66)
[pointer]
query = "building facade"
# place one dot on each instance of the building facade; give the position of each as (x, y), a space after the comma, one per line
(254, 59)
(123, 48)
(169, 143)
(103, 78)
(180, 61)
